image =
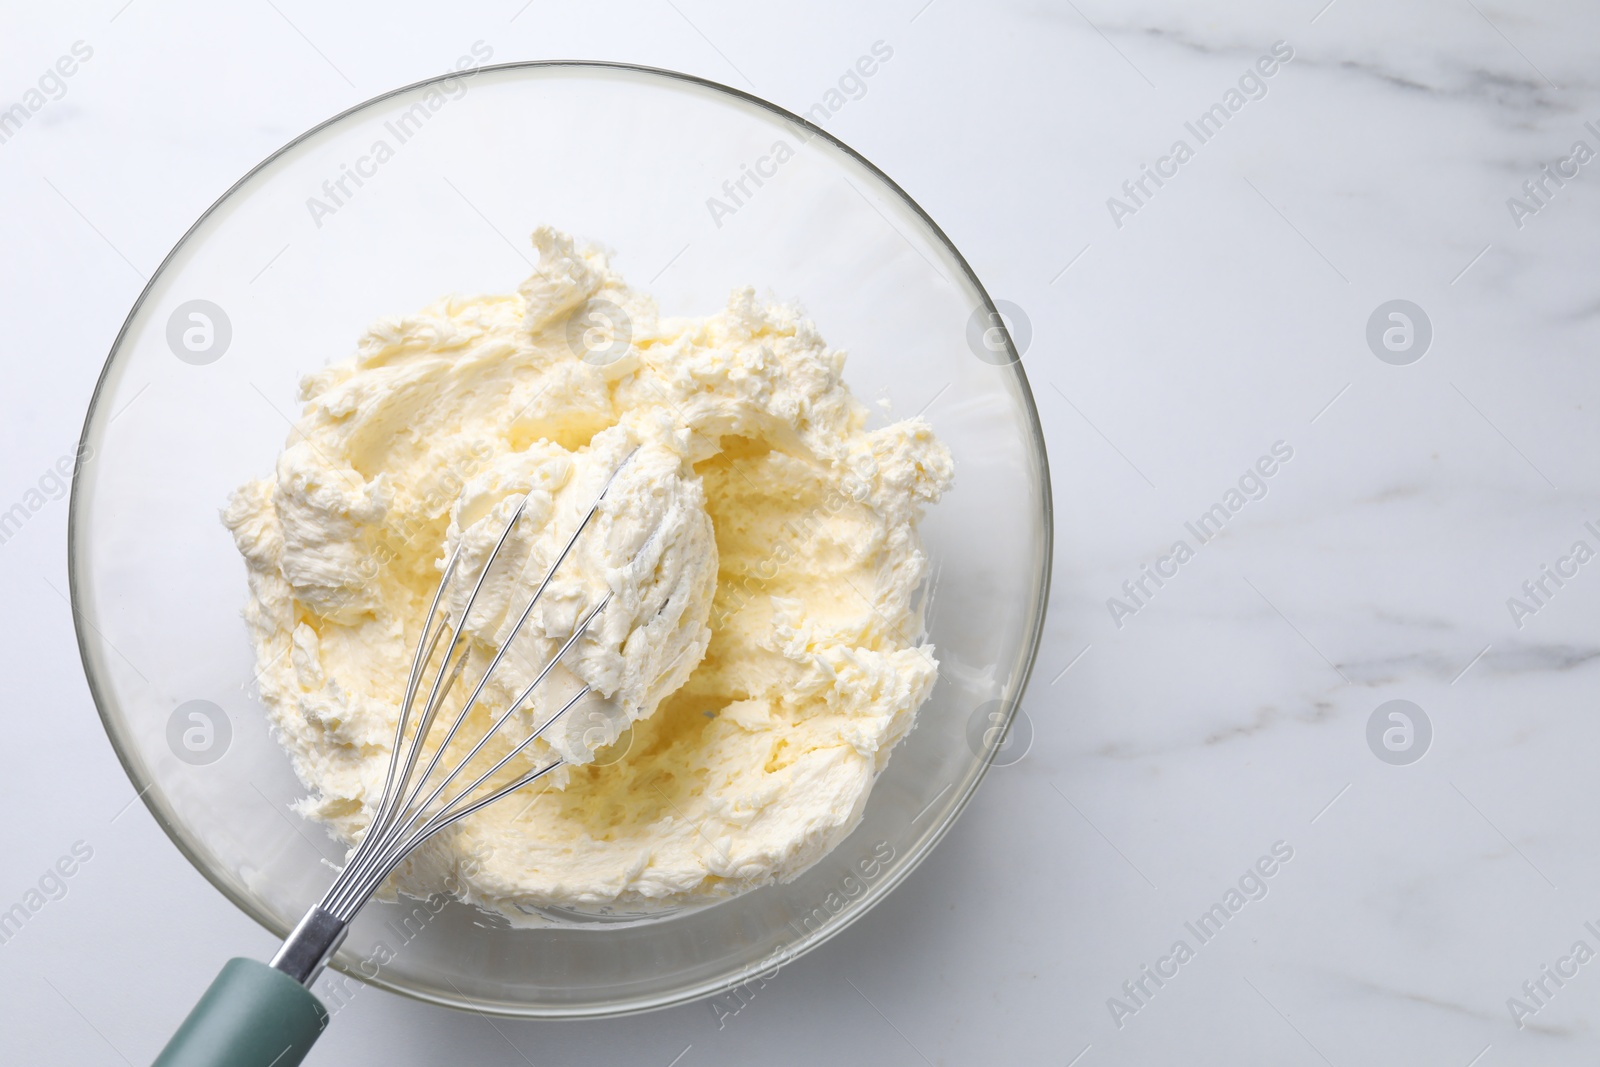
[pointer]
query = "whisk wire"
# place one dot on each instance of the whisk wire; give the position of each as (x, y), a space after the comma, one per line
(391, 843)
(422, 656)
(436, 696)
(395, 831)
(500, 653)
(398, 848)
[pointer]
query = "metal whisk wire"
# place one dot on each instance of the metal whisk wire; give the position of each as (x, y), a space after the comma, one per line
(402, 822)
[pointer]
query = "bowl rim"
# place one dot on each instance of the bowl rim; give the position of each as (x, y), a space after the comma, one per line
(1022, 666)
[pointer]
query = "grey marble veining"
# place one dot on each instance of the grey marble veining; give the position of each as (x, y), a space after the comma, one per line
(1173, 747)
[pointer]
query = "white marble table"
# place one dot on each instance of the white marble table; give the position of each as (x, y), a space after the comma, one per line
(1183, 732)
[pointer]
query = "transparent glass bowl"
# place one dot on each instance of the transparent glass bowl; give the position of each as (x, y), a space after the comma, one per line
(698, 189)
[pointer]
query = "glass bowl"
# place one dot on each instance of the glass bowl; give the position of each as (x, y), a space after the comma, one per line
(433, 189)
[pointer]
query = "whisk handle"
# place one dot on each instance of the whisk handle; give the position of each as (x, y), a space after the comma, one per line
(252, 1016)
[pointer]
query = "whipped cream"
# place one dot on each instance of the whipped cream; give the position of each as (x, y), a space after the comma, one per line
(762, 647)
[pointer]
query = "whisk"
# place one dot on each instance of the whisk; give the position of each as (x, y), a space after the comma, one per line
(255, 1015)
